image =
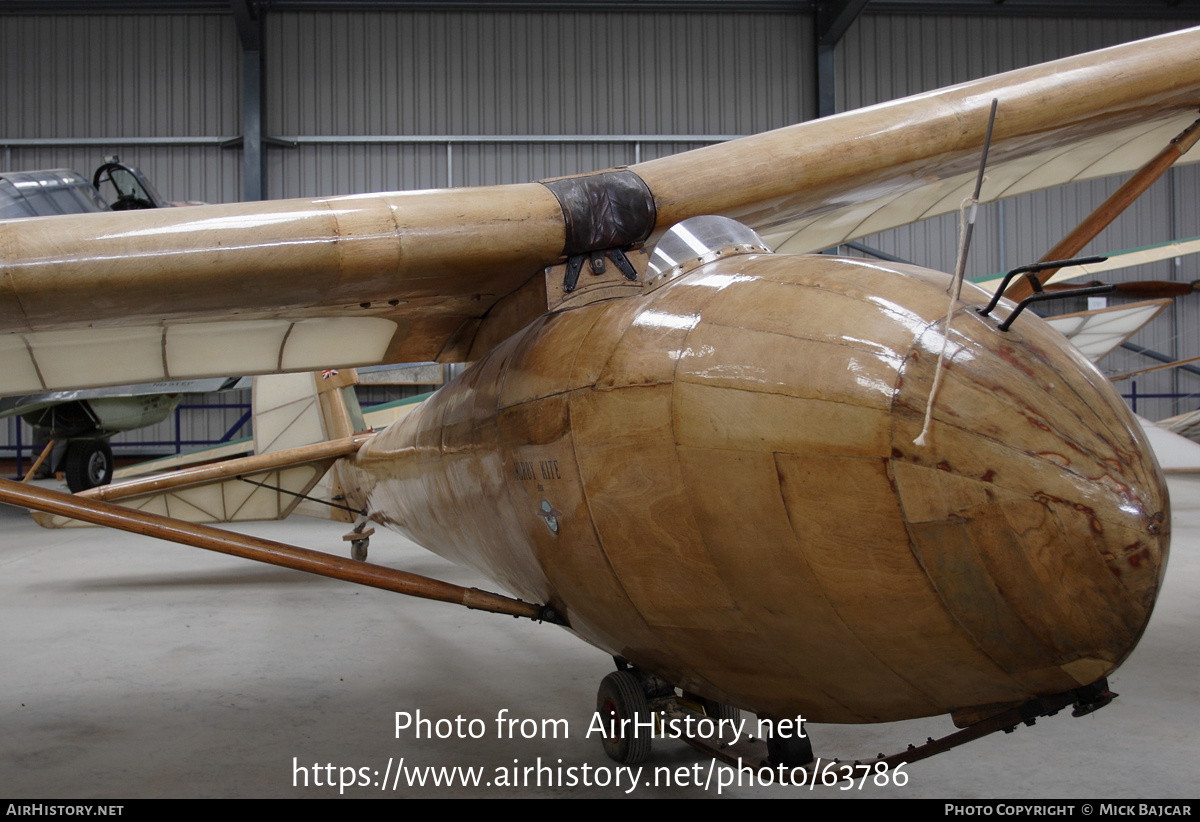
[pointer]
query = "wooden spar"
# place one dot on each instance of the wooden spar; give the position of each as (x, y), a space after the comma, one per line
(225, 469)
(261, 550)
(38, 464)
(1110, 209)
(1140, 289)
(1165, 365)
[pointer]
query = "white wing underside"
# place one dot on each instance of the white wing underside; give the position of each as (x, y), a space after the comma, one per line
(1185, 425)
(1177, 454)
(297, 285)
(1116, 261)
(48, 360)
(1097, 333)
(1119, 152)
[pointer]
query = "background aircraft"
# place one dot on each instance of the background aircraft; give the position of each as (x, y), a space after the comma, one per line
(80, 422)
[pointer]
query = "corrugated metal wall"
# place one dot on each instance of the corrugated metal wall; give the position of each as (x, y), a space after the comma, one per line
(368, 94)
(167, 77)
(885, 56)
(481, 75)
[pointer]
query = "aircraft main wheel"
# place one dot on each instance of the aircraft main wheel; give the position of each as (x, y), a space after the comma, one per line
(789, 751)
(89, 464)
(621, 703)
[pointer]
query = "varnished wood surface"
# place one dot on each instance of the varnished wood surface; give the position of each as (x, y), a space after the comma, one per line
(254, 548)
(201, 474)
(715, 480)
(813, 185)
(279, 286)
(275, 258)
(740, 507)
(411, 275)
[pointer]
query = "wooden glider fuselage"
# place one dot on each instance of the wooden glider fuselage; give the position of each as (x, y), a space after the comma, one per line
(711, 474)
(717, 481)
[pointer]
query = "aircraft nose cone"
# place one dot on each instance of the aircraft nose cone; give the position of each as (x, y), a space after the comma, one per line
(1036, 506)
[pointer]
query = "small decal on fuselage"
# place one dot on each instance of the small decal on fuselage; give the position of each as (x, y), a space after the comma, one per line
(528, 470)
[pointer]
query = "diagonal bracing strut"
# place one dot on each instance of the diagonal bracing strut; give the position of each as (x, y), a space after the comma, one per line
(268, 551)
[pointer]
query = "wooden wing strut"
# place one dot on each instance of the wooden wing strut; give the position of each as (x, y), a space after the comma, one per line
(268, 551)
(1111, 208)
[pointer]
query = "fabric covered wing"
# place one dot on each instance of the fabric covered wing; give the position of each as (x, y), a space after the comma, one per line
(811, 186)
(294, 285)
(1116, 261)
(1098, 332)
(256, 288)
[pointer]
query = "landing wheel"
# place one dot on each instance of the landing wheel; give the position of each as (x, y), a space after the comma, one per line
(621, 703)
(89, 464)
(358, 549)
(790, 751)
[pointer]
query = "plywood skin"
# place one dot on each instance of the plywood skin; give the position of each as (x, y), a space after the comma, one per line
(718, 481)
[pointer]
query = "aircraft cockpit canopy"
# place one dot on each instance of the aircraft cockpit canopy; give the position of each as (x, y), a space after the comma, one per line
(46, 193)
(699, 240)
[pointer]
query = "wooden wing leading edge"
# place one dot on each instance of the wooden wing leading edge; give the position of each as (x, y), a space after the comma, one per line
(810, 187)
(294, 285)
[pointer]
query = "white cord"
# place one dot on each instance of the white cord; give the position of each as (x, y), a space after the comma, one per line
(955, 290)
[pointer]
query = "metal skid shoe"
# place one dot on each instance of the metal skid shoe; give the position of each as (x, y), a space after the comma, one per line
(793, 751)
(359, 539)
(726, 716)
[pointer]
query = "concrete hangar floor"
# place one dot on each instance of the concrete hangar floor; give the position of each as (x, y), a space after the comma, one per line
(137, 668)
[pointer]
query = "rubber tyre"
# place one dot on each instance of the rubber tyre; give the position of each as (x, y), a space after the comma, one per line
(89, 464)
(621, 698)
